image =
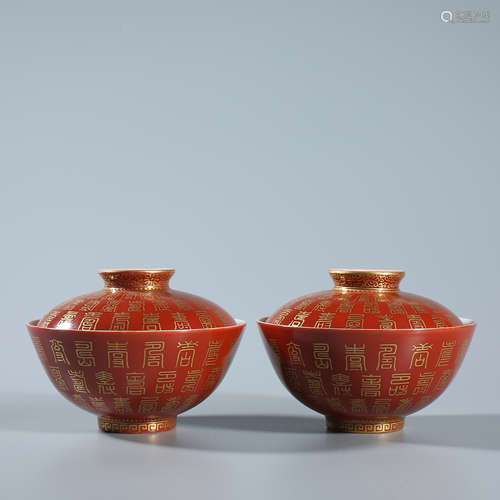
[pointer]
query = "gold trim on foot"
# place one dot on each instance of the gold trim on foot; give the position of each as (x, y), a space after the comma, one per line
(125, 425)
(365, 426)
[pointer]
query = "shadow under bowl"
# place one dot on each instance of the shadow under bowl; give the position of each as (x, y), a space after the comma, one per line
(136, 381)
(366, 381)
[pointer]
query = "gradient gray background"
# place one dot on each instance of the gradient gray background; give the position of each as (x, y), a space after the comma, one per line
(252, 146)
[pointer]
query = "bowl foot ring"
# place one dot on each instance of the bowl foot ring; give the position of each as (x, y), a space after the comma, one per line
(364, 426)
(124, 425)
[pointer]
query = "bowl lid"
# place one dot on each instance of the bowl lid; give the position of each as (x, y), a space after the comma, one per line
(364, 299)
(136, 299)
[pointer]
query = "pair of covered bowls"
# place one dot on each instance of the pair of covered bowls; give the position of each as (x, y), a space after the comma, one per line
(138, 353)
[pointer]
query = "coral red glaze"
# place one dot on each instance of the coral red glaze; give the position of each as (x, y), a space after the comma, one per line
(136, 299)
(137, 382)
(366, 381)
(364, 300)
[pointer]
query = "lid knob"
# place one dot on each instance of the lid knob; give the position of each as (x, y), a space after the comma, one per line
(374, 279)
(137, 279)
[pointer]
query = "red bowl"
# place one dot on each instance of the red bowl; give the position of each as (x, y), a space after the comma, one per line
(366, 380)
(136, 381)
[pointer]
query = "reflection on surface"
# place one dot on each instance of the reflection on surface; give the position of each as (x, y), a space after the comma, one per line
(280, 427)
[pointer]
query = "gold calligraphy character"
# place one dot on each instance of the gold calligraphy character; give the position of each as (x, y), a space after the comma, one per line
(420, 356)
(186, 353)
(105, 382)
(321, 355)
(153, 354)
(355, 359)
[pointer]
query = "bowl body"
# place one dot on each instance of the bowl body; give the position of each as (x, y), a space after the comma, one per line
(368, 380)
(136, 381)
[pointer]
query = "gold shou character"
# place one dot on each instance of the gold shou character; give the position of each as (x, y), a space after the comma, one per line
(122, 405)
(445, 353)
(386, 323)
(117, 355)
(420, 356)
(381, 405)
(170, 404)
(324, 320)
(444, 380)
(55, 374)
(89, 321)
(90, 305)
(110, 305)
(136, 384)
(45, 323)
(321, 354)
(120, 321)
(205, 319)
(58, 351)
(404, 405)
(212, 355)
(136, 306)
(67, 318)
(186, 353)
(322, 306)
(282, 315)
(387, 357)
(399, 384)
(358, 406)
(299, 318)
(84, 352)
(355, 321)
(160, 305)
(153, 354)
(180, 321)
(371, 385)
(165, 382)
(424, 382)
(345, 307)
(148, 405)
(416, 321)
(151, 321)
(78, 380)
(314, 383)
(355, 359)
(295, 354)
(98, 403)
(191, 381)
(105, 382)
(341, 384)
(39, 348)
